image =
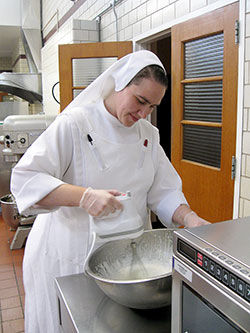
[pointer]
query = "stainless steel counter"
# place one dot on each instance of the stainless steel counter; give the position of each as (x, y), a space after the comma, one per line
(83, 307)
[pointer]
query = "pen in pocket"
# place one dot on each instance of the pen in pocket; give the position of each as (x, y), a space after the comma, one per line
(143, 152)
(96, 153)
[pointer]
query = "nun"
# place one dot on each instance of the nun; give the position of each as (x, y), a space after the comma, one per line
(100, 146)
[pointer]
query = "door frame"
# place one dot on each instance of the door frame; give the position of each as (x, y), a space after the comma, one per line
(144, 40)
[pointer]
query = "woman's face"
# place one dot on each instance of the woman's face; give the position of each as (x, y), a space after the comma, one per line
(138, 101)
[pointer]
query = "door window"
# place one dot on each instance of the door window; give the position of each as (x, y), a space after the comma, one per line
(202, 104)
(86, 70)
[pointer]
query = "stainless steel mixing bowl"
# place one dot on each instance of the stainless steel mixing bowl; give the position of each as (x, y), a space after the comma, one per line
(136, 273)
(9, 211)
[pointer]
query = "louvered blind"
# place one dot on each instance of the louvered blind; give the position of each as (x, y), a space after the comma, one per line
(202, 99)
(86, 70)
(202, 144)
(204, 57)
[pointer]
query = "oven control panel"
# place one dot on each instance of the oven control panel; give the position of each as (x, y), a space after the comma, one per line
(218, 266)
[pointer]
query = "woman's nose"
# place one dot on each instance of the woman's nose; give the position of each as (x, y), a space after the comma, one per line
(144, 112)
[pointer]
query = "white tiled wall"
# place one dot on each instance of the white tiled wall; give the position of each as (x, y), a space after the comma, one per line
(245, 170)
(136, 17)
(21, 66)
(5, 63)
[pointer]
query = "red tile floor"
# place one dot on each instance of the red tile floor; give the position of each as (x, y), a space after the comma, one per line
(11, 284)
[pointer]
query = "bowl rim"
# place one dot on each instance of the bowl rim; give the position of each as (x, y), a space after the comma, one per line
(120, 282)
(89, 272)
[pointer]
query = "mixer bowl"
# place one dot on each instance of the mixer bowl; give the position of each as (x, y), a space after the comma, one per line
(9, 211)
(135, 273)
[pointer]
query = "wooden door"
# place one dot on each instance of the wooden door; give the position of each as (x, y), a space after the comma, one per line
(204, 108)
(80, 64)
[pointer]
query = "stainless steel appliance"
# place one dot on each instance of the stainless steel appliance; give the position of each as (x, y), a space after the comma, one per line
(5, 170)
(6, 109)
(22, 224)
(211, 278)
(27, 86)
(18, 133)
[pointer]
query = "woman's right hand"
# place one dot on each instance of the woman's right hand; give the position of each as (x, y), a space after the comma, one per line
(100, 202)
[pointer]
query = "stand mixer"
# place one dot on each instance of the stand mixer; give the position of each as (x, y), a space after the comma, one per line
(124, 223)
(19, 132)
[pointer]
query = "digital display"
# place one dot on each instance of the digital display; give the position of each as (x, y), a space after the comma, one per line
(186, 250)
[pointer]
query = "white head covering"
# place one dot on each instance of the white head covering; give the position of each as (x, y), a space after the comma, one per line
(116, 77)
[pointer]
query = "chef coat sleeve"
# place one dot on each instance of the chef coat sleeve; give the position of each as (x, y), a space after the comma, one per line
(41, 168)
(165, 194)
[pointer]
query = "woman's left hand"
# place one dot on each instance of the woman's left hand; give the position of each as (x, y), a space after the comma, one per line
(191, 220)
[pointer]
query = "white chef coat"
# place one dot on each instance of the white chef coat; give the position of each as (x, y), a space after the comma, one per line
(118, 157)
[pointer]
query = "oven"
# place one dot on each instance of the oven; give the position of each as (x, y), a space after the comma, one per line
(211, 278)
